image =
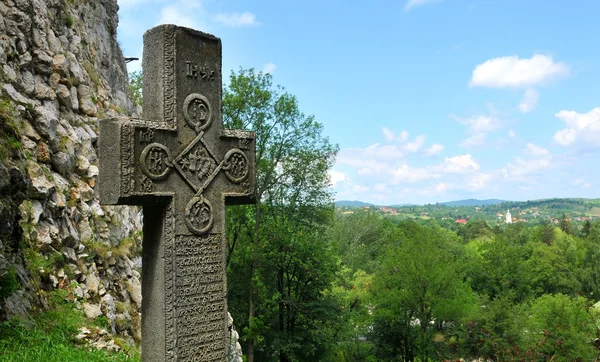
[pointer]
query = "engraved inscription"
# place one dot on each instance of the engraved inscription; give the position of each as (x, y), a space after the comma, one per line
(155, 161)
(203, 72)
(244, 143)
(146, 184)
(200, 297)
(146, 136)
(235, 165)
(198, 215)
(127, 139)
(197, 112)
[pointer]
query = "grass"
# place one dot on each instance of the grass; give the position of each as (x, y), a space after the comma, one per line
(10, 131)
(91, 71)
(50, 337)
(97, 248)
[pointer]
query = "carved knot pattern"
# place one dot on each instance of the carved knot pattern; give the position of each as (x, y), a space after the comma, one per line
(197, 112)
(235, 165)
(198, 215)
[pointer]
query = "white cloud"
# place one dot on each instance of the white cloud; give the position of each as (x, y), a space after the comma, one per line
(416, 145)
(178, 15)
(459, 164)
(524, 167)
(403, 139)
(480, 124)
(414, 3)
(511, 133)
(475, 140)
(269, 68)
(514, 72)
(337, 177)
(389, 135)
(405, 173)
(374, 159)
(442, 187)
(529, 101)
(536, 151)
(435, 149)
(237, 19)
(478, 127)
(581, 127)
(479, 181)
(520, 169)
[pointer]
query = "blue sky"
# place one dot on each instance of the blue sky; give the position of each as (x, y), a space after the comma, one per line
(428, 100)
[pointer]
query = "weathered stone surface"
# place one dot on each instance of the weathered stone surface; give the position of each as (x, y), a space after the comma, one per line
(41, 186)
(16, 96)
(64, 96)
(185, 153)
(92, 311)
(63, 163)
(46, 120)
(60, 65)
(86, 104)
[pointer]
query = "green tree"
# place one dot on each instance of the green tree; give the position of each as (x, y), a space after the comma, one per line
(420, 289)
(565, 224)
(292, 192)
(135, 86)
(561, 328)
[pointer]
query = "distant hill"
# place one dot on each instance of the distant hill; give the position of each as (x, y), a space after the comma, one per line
(473, 202)
(346, 203)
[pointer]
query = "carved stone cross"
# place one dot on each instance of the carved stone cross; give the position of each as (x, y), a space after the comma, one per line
(182, 167)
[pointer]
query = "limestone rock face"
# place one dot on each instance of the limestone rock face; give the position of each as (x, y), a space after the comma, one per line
(61, 70)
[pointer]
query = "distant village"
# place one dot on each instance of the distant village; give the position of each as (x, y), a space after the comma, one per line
(552, 210)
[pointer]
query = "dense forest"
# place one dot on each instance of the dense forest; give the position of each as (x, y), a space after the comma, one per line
(309, 282)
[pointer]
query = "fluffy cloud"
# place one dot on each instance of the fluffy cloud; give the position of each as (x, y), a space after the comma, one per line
(337, 177)
(478, 127)
(269, 68)
(435, 149)
(403, 139)
(237, 19)
(529, 101)
(415, 146)
(414, 3)
(536, 151)
(514, 72)
(538, 159)
(480, 124)
(474, 140)
(374, 159)
(479, 181)
(183, 13)
(407, 174)
(459, 164)
(581, 127)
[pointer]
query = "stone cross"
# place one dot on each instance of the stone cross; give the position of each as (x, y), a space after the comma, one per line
(182, 167)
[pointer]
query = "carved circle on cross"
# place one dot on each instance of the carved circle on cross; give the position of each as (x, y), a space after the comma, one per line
(155, 161)
(197, 112)
(235, 165)
(198, 215)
